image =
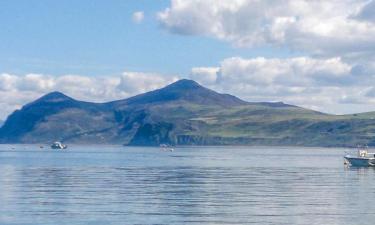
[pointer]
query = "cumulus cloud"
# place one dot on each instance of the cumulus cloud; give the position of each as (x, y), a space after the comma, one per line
(330, 85)
(335, 75)
(7, 82)
(17, 90)
(205, 75)
(136, 83)
(138, 17)
(325, 28)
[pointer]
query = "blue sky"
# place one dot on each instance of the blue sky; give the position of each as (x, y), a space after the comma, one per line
(315, 54)
(100, 38)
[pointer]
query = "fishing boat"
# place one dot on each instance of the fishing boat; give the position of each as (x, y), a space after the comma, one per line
(58, 145)
(362, 159)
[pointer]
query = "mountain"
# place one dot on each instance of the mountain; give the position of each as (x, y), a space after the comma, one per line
(184, 91)
(54, 115)
(182, 113)
(1, 123)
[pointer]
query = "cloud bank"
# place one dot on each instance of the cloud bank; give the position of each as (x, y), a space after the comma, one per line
(17, 90)
(329, 85)
(320, 27)
(336, 73)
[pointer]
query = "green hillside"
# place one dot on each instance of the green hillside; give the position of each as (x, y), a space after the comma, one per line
(183, 113)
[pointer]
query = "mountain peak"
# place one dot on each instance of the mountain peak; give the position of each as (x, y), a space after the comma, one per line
(184, 90)
(55, 95)
(184, 84)
(52, 97)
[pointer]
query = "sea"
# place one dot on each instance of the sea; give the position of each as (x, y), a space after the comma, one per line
(104, 184)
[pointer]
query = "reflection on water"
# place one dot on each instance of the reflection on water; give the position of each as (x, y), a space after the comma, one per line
(115, 185)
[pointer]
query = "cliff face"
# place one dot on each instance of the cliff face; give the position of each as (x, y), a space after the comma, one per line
(183, 113)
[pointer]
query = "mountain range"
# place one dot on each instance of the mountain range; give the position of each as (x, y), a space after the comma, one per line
(182, 113)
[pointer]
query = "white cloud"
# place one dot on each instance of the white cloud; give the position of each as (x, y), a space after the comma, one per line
(205, 75)
(17, 90)
(136, 83)
(320, 27)
(289, 71)
(138, 17)
(7, 82)
(329, 85)
(35, 82)
(336, 74)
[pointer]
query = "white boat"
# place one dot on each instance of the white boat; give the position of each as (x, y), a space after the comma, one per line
(58, 145)
(362, 159)
(165, 148)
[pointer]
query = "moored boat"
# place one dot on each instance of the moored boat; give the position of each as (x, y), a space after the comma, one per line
(58, 145)
(363, 158)
(166, 147)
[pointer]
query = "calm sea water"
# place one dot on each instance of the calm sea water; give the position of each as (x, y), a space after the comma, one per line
(200, 185)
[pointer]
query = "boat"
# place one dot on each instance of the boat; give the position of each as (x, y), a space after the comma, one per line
(58, 145)
(362, 159)
(166, 147)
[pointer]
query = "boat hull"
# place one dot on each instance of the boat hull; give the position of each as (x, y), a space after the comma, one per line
(360, 162)
(53, 147)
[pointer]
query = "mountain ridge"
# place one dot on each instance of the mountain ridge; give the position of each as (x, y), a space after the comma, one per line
(182, 90)
(182, 113)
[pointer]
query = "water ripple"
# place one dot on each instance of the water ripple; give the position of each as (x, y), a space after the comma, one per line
(189, 186)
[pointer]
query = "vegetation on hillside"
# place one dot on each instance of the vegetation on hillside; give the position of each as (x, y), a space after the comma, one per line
(183, 113)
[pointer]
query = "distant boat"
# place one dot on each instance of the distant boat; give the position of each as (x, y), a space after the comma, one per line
(58, 145)
(362, 159)
(165, 148)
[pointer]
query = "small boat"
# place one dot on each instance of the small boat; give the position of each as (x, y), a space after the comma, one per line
(362, 159)
(58, 145)
(165, 148)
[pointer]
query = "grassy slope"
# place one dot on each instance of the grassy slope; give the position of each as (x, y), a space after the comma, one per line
(185, 123)
(262, 125)
(183, 113)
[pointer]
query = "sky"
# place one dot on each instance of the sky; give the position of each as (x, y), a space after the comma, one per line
(316, 54)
